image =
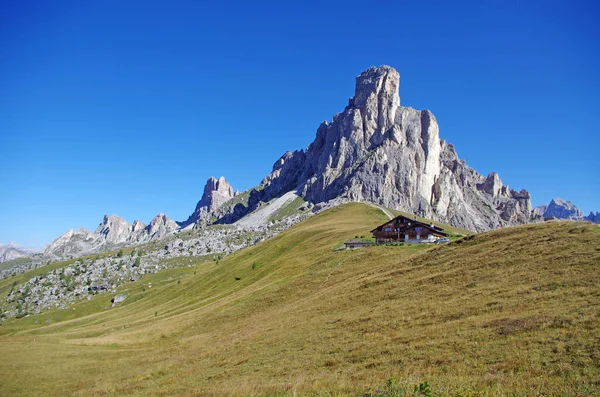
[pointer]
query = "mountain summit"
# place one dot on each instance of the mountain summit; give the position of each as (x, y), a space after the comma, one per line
(378, 151)
(216, 193)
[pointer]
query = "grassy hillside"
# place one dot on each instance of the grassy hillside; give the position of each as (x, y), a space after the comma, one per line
(514, 310)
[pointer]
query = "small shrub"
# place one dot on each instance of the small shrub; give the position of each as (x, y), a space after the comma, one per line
(393, 389)
(120, 254)
(423, 389)
(256, 265)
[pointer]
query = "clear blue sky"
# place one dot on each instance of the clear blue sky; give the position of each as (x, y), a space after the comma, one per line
(128, 107)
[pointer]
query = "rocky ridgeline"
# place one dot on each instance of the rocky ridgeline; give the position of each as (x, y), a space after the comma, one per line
(563, 209)
(380, 152)
(60, 288)
(114, 232)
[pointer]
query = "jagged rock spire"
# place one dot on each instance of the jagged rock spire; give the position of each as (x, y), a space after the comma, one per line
(216, 193)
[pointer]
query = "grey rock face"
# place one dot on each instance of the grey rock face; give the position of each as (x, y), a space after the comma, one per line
(114, 229)
(118, 299)
(216, 193)
(161, 226)
(538, 212)
(378, 151)
(562, 209)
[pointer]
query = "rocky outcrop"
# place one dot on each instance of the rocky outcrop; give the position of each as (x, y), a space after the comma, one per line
(216, 193)
(114, 229)
(161, 226)
(562, 209)
(111, 233)
(378, 151)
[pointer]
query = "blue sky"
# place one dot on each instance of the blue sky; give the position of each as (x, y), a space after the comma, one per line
(128, 107)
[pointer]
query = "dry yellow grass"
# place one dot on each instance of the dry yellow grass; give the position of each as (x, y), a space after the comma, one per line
(511, 311)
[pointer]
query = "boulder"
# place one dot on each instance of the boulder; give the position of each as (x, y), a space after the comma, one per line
(118, 299)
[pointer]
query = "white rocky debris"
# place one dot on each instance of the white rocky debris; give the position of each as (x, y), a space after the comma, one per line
(261, 215)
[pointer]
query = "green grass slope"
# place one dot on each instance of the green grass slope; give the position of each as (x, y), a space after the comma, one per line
(516, 310)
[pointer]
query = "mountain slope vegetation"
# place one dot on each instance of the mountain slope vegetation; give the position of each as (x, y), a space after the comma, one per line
(512, 310)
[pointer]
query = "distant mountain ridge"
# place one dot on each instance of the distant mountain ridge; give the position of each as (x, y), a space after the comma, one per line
(10, 251)
(111, 233)
(559, 208)
(375, 150)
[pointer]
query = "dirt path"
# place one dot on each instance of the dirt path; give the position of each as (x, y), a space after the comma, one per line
(385, 211)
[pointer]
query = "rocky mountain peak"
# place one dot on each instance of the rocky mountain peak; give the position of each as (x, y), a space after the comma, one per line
(562, 209)
(492, 184)
(377, 83)
(114, 229)
(160, 226)
(216, 193)
(138, 226)
(376, 150)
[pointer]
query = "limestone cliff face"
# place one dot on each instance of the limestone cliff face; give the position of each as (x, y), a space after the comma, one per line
(161, 226)
(114, 229)
(216, 193)
(378, 151)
